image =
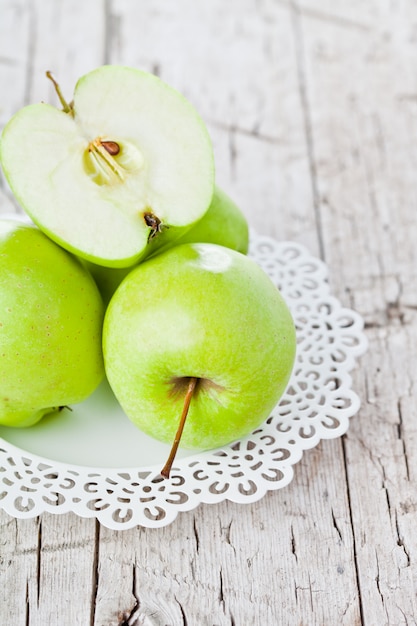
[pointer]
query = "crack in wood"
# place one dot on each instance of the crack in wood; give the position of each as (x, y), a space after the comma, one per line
(402, 439)
(354, 535)
(135, 592)
(386, 492)
(182, 611)
(221, 594)
(336, 527)
(394, 314)
(27, 607)
(227, 535)
(196, 536)
(247, 132)
(95, 573)
(400, 541)
(293, 544)
(38, 561)
(131, 617)
(378, 586)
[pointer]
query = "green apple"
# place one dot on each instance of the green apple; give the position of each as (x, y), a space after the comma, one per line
(107, 278)
(223, 223)
(200, 329)
(51, 316)
(123, 169)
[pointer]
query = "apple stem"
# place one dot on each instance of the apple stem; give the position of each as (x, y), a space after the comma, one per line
(165, 472)
(66, 107)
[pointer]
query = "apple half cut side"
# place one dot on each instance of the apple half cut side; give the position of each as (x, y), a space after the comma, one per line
(125, 168)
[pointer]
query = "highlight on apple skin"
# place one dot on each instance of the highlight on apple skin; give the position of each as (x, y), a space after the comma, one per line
(203, 312)
(51, 315)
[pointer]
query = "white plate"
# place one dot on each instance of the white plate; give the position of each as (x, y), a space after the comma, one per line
(94, 462)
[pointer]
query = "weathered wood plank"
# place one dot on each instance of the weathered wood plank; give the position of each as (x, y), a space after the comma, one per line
(365, 171)
(66, 575)
(19, 568)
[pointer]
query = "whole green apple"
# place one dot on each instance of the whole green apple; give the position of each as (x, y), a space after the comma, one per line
(223, 223)
(51, 317)
(200, 329)
(123, 169)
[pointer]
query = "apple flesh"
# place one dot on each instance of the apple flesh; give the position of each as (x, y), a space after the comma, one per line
(119, 172)
(51, 317)
(223, 224)
(203, 312)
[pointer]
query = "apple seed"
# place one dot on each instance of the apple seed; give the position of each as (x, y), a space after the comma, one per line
(112, 147)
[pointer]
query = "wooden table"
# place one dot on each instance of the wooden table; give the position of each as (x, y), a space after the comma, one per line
(312, 109)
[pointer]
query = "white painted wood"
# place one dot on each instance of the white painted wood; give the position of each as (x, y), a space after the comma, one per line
(364, 154)
(312, 109)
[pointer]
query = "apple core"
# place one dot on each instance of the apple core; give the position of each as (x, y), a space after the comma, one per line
(109, 162)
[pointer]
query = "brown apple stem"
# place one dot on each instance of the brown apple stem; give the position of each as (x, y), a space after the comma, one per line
(165, 472)
(66, 107)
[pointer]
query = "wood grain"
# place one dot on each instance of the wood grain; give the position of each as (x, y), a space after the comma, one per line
(311, 106)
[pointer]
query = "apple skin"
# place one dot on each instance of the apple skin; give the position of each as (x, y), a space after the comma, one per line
(107, 279)
(223, 223)
(51, 315)
(198, 310)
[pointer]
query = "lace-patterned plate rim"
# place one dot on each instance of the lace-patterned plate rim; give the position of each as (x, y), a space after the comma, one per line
(317, 404)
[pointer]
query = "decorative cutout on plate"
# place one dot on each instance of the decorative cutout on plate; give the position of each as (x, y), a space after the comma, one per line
(317, 405)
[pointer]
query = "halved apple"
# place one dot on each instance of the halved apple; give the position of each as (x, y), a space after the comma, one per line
(124, 168)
